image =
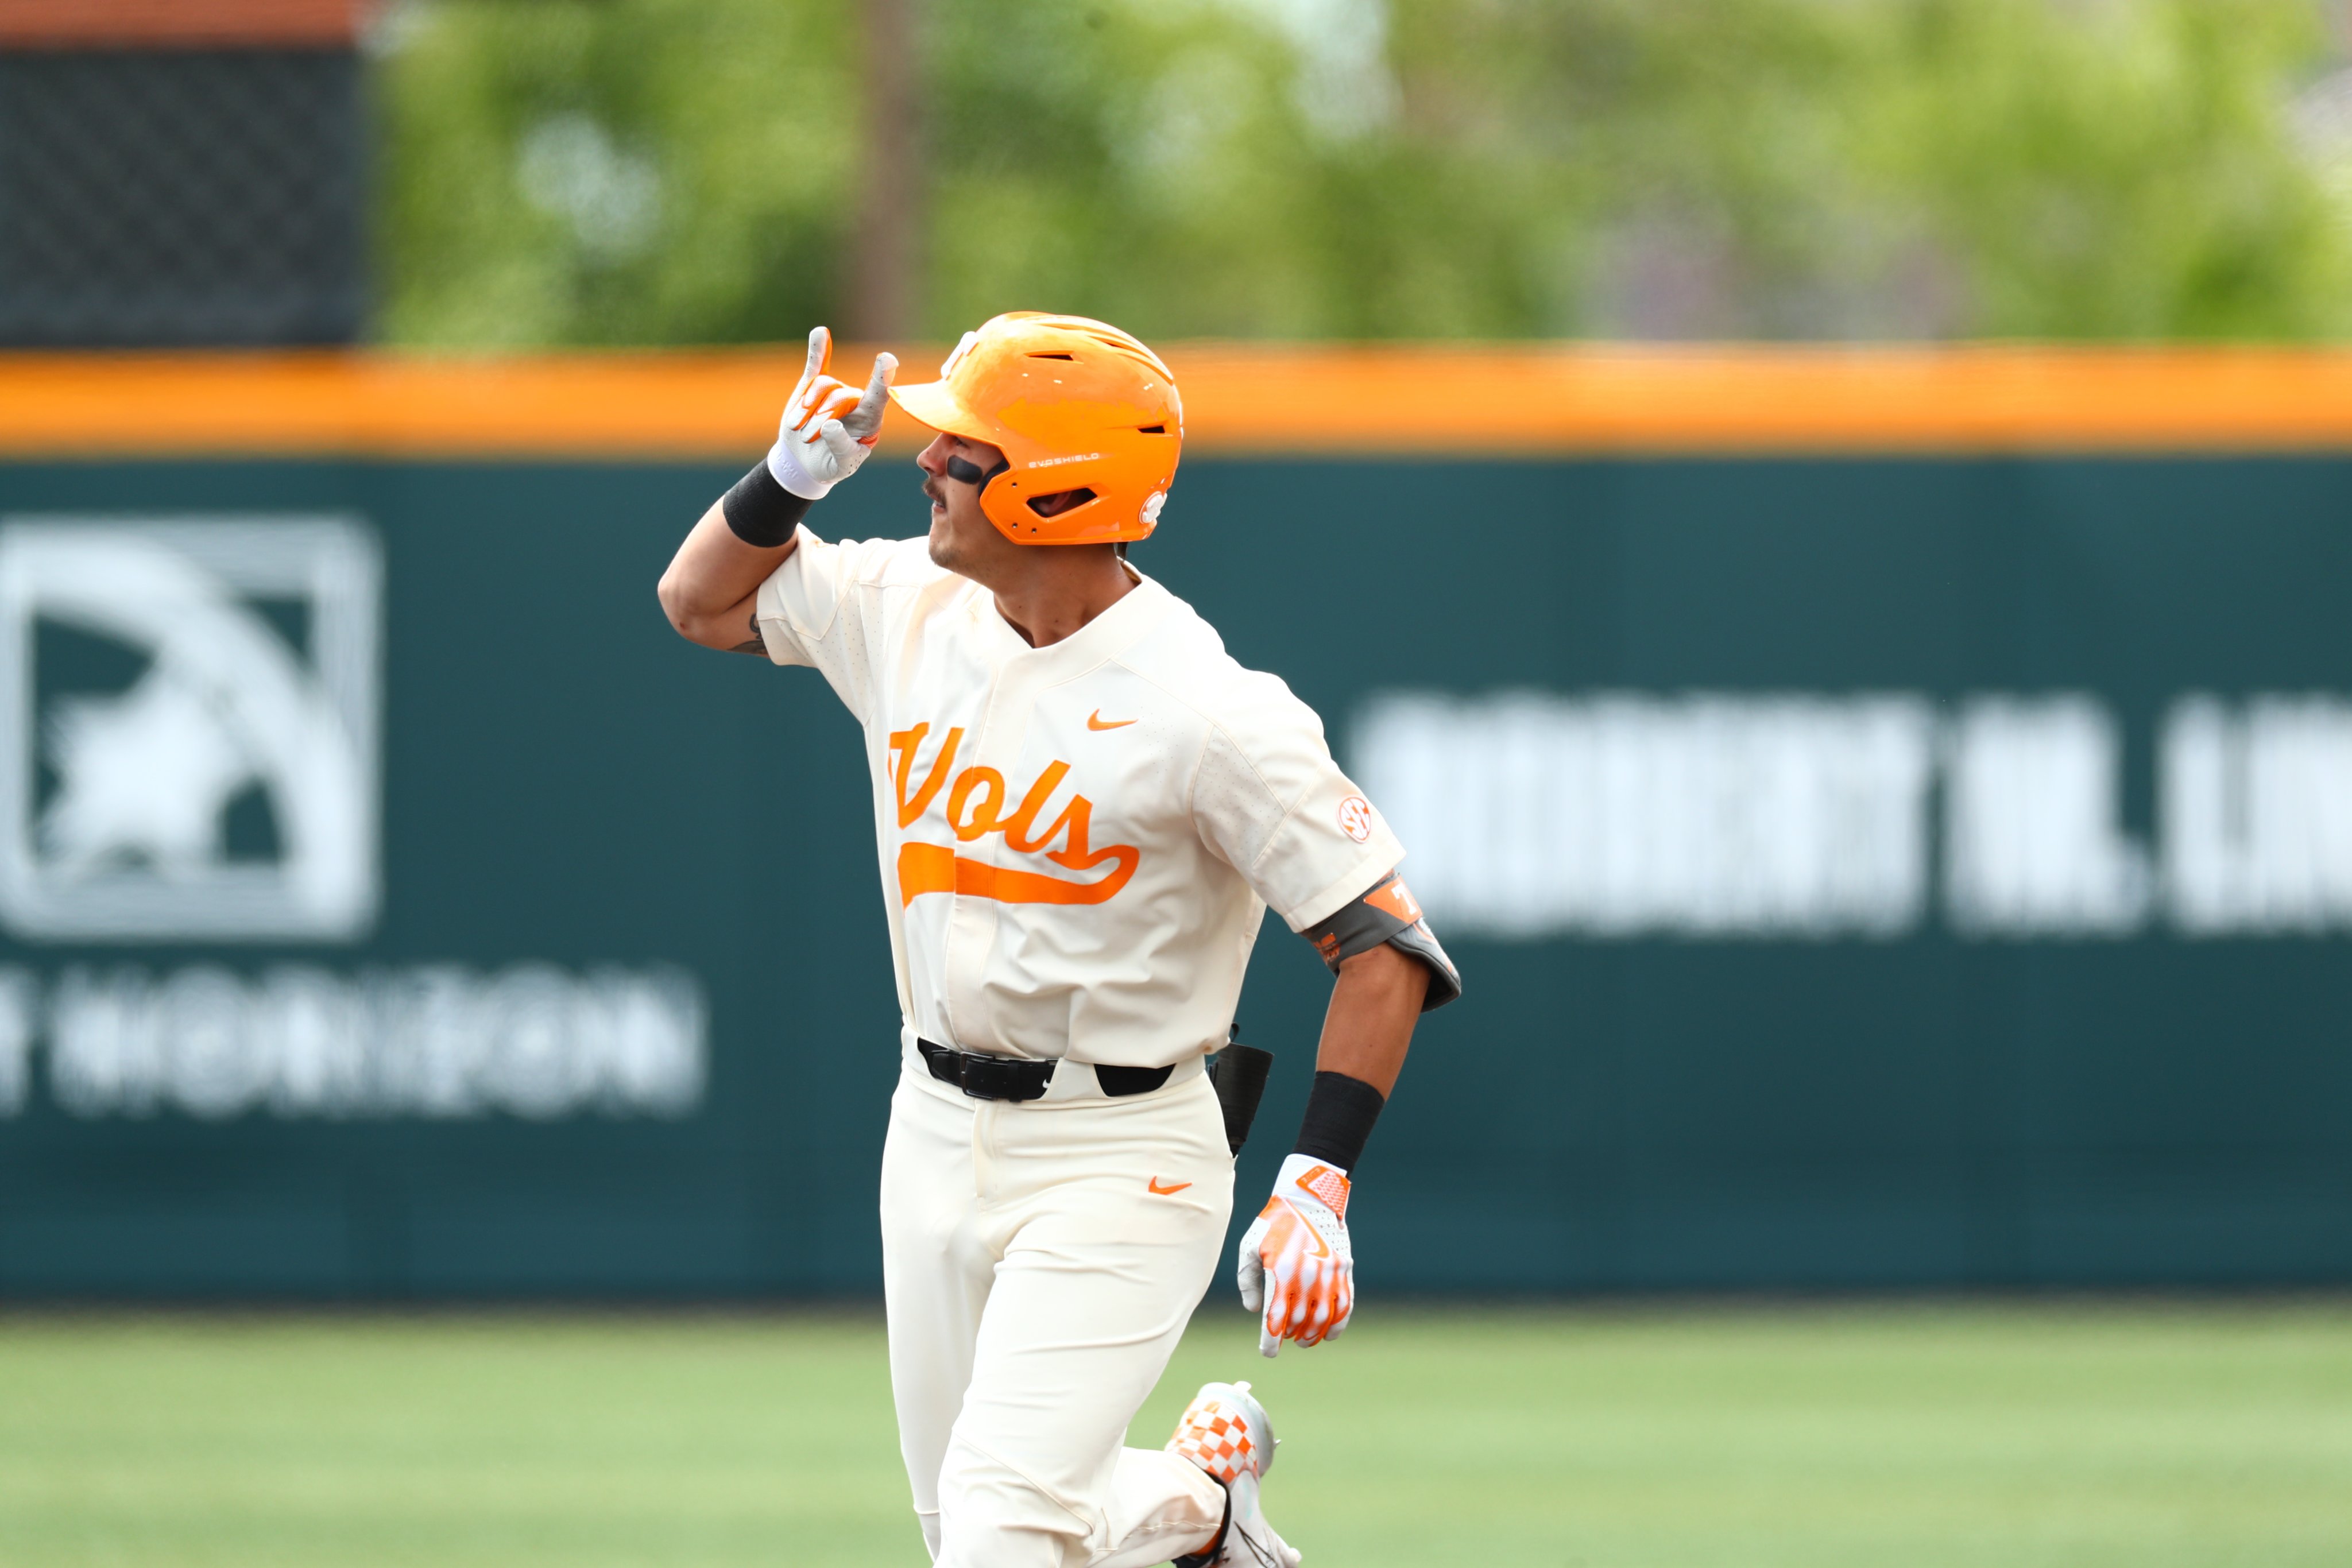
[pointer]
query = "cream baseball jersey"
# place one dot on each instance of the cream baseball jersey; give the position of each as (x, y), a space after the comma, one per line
(1078, 842)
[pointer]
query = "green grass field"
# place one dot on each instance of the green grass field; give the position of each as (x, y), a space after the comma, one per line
(1730, 1438)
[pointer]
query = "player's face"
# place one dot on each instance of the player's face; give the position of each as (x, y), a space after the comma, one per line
(962, 538)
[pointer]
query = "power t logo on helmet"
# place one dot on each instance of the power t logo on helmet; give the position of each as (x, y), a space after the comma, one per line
(1084, 809)
(1074, 405)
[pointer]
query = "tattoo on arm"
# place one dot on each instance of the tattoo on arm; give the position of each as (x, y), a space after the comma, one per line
(758, 644)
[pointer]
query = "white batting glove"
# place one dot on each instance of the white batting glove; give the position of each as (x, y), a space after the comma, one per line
(828, 427)
(1295, 1266)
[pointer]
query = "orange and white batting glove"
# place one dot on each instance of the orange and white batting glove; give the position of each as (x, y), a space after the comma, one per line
(828, 427)
(1295, 1265)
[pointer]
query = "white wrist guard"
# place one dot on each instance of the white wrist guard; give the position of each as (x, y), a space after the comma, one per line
(784, 467)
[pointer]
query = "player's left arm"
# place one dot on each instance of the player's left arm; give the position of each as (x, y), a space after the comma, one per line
(1296, 1263)
(1368, 1028)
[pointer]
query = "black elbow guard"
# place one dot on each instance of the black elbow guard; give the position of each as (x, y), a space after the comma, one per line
(1387, 914)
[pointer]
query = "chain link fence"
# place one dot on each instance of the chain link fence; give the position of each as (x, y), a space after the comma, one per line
(181, 197)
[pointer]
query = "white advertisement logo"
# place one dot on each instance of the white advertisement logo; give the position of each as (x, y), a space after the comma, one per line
(253, 650)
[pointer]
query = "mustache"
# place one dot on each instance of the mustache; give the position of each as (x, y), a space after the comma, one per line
(931, 488)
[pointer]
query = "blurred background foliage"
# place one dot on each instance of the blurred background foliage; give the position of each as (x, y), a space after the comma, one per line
(707, 170)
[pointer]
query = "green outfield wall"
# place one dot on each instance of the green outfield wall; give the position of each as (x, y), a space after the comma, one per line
(1886, 873)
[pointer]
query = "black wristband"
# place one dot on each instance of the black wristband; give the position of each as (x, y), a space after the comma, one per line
(761, 512)
(1340, 1112)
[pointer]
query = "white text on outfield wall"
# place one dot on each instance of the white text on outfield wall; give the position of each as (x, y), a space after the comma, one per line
(437, 1040)
(1535, 815)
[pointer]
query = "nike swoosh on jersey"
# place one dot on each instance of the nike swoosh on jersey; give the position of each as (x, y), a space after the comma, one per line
(1094, 720)
(1163, 1191)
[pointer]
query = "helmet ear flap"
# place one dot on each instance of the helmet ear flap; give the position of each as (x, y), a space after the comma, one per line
(1007, 505)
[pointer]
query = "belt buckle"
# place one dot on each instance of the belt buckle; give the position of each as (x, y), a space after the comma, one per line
(989, 1077)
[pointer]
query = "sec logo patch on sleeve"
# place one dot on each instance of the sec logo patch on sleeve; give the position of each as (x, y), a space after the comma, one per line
(1356, 818)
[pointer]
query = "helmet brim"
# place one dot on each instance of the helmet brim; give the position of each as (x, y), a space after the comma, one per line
(934, 403)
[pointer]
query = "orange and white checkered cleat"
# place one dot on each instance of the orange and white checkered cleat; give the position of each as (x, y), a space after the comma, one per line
(1225, 1432)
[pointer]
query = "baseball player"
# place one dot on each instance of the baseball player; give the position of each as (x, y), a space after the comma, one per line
(1083, 807)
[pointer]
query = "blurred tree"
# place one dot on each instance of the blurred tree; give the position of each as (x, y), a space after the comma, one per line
(691, 171)
(2113, 170)
(632, 171)
(892, 195)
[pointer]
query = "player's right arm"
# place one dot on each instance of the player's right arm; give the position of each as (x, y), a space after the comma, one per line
(712, 586)
(710, 590)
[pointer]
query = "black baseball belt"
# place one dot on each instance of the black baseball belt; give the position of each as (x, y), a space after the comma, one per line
(987, 1077)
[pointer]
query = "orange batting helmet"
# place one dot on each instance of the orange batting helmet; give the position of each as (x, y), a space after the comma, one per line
(1075, 404)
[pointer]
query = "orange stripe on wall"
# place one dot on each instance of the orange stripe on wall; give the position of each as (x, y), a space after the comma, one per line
(111, 24)
(1238, 399)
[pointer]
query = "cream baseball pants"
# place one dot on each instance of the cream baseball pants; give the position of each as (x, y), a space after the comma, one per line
(1040, 1260)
